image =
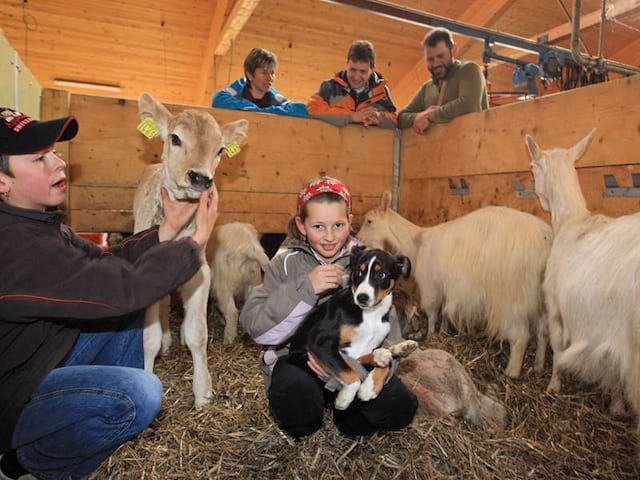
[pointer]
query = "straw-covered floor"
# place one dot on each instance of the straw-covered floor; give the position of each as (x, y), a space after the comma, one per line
(547, 436)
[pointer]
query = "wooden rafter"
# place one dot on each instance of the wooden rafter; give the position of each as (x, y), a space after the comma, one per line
(480, 12)
(220, 38)
(212, 45)
(236, 20)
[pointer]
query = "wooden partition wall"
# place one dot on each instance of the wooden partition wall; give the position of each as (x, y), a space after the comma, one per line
(488, 151)
(259, 185)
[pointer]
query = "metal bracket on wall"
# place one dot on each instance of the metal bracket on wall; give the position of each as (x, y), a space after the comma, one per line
(522, 193)
(612, 189)
(463, 190)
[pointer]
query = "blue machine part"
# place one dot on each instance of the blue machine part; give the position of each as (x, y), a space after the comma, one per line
(524, 78)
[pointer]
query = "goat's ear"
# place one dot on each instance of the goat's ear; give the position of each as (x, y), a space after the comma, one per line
(404, 266)
(579, 148)
(235, 132)
(356, 252)
(149, 107)
(534, 149)
(386, 200)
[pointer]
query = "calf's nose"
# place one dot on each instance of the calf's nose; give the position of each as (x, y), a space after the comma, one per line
(199, 181)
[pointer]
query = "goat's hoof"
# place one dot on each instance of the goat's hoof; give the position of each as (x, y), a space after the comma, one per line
(202, 401)
(512, 372)
(554, 386)
(228, 339)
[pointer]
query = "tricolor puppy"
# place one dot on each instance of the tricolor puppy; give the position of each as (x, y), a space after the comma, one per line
(347, 330)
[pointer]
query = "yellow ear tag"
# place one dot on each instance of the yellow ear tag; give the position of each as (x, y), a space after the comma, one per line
(232, 149)
(149, 128)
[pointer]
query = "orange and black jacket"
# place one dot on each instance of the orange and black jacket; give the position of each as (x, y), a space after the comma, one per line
(336, 101)
(53, 283)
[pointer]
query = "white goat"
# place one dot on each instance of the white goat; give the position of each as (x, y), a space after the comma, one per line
(592, 285)
(237, 260)
(483, 270)
(193, 144)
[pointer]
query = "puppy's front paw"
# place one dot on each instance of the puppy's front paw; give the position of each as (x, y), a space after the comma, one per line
(367, 390)
(346, 395)
(403, 349)
(382, 357)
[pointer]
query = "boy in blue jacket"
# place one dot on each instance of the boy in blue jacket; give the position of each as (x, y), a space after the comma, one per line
(255, 92)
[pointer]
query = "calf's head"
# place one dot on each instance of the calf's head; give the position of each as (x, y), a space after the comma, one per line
(374, 273)
(193, 145)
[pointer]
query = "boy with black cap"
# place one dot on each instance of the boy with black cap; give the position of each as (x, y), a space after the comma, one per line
(72, 387)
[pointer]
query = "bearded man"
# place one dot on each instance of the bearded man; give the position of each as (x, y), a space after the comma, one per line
(455, 88)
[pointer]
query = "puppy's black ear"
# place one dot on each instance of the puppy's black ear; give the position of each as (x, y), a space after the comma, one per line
(356, 252)
(404, 266)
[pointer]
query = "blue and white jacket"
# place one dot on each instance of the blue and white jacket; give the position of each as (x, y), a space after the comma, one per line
(232, 99)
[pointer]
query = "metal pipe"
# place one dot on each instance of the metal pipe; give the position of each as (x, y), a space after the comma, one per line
(416, 17)
(575, 38)
(600, 64)
(397, 159)
(603, 20)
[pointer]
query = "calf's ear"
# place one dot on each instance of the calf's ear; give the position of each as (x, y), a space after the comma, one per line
(235, 132)
(149, 107)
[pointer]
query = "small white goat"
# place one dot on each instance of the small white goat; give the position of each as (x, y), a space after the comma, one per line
(483, 270)
(592, 285)
(193, 145)
(237, 260)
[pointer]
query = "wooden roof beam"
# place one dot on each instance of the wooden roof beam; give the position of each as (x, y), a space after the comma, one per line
(242, 10)
(220, 39)
(212, 44)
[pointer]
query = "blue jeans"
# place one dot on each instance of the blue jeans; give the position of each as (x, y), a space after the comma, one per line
(98, 398)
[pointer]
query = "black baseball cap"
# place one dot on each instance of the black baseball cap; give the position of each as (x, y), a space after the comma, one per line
(20, 134)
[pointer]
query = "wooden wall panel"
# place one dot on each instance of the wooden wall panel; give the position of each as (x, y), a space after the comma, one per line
(493, 141)
(108, 156)
(429, 201)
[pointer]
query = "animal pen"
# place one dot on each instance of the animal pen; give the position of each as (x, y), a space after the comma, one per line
(477, 160)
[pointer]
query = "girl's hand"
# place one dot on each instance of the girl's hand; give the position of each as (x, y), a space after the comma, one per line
(326, 277)
(177, 214)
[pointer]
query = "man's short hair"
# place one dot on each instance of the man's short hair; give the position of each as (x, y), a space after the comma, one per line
(362, 51)
(259, 58)
(436, 36)
(4, 165)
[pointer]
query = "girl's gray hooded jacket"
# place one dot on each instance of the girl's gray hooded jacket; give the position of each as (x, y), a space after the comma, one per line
(275, 309)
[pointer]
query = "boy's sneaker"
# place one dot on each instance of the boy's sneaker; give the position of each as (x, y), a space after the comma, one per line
(10, 469)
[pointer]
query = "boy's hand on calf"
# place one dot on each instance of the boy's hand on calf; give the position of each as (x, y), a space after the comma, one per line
(177, 214)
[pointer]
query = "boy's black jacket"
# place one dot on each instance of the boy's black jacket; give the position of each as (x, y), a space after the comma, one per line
(52, 282)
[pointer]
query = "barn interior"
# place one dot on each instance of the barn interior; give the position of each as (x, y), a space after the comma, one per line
(92, 60)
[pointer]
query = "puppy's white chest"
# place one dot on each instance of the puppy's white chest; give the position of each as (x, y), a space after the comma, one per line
(372, 331)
